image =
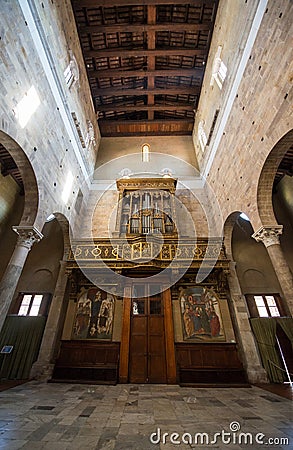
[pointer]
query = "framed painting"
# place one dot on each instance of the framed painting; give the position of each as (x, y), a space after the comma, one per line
(201, 315)
(94, 315)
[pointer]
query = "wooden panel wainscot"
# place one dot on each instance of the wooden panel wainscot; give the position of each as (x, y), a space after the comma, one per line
(85, 361)
(209, 364)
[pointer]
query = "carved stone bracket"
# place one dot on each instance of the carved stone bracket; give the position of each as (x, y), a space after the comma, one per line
(268, 235)
(27, 236)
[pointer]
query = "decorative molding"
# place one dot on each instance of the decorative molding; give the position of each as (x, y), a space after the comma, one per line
(119, 254)
(147, 183)
(27, 235)
(268, 235)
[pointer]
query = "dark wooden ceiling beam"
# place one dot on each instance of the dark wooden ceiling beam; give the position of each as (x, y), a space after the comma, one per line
(127, 108)
(126, 73)
(112, 92)
(139, 122)
(132, 28)
(122, 52)
(105, 3)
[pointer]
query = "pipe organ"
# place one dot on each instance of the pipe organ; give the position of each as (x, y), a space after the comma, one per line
(146, 208)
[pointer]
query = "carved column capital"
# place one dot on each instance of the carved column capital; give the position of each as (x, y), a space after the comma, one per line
(268, 235)
(27, 236)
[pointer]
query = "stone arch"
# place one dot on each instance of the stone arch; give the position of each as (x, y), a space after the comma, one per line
(65, 227)
(266, 180)
(49, 348)
(254, 276)
(28, 177)
(227, 232)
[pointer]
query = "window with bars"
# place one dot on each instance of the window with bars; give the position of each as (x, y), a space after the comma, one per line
(31, 304)
(265, 305)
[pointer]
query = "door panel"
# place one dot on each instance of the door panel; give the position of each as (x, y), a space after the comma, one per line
(138, 350)
(157, 362)
(147, 357)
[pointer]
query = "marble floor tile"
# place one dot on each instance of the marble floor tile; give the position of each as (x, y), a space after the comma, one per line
(41, 416)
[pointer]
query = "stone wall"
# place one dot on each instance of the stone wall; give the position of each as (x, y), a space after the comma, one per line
(231, 31)
(260, 114)
(49, 139)
(180, 147)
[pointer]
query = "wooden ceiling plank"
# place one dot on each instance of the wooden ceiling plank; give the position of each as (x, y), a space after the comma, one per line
(139, 63)
(118, 73)
(135, 122)
(126, 108)
(111, 92)
(105, 3)
(159, 132)
(105, 53)
(190, 27)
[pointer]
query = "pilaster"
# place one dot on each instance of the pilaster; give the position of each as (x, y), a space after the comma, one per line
(43, 367)
(251, 360)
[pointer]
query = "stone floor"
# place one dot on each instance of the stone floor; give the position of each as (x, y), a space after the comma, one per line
(125, 417)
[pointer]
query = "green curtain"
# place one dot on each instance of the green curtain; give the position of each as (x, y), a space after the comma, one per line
(264, 330)
(25, 334)
(287, 324)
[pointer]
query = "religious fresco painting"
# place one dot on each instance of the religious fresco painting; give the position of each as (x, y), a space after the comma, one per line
(201, 315)
(94, 315)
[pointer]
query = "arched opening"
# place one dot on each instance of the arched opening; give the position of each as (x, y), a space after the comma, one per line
(266, 310)
(19, 194)
(33, 301)
(277, 165)
(282, 201)
(27, 175)
(254, 268)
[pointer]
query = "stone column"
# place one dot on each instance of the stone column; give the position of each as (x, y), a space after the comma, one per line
(250, 356)
(269, 236)
(27, 236)
(43, 367)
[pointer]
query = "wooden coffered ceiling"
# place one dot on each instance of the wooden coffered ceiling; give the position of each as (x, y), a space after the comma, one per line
(145, 62)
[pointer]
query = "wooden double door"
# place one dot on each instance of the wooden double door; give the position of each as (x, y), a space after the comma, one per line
(147, 346)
